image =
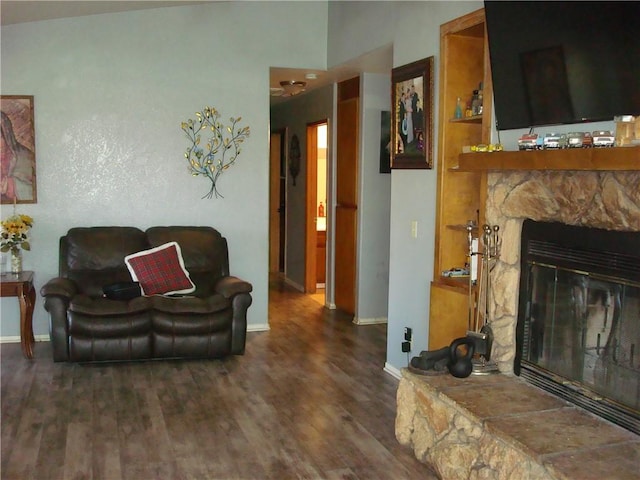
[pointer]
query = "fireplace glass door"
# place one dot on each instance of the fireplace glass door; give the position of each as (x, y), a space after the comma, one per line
(584, 329)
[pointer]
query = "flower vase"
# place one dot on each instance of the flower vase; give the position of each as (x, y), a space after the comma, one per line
(16, 261)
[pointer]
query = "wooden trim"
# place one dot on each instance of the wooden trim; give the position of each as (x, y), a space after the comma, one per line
(349, 89)
(310, 208)
(595, 159)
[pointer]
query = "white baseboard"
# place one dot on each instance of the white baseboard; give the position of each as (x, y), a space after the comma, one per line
(369, 321)
(16, 338)
(260, 327)
(393, 371)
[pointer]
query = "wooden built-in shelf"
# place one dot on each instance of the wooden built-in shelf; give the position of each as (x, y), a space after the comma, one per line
(598, 159)
(460, 227)
(458, 283)
(472, 119)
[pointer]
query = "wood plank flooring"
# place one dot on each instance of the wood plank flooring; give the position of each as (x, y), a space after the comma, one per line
(309, 399)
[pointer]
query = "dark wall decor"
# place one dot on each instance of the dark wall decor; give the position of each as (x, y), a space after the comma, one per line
(412, 115)
(294, 158)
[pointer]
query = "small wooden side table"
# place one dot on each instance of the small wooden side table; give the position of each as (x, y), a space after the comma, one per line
(21, 285)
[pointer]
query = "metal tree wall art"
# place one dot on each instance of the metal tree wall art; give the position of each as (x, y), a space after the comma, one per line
(221, 149)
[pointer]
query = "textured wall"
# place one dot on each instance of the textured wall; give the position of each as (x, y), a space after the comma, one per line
(110, 93)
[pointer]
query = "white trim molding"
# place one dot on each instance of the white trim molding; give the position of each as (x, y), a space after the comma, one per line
(370, 321)
(393, 371)
(260, 327)
(16, 338)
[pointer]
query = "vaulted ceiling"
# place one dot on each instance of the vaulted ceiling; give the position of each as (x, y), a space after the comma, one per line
(23, 11)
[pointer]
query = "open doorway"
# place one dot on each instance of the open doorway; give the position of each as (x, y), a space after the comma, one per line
(316, 211)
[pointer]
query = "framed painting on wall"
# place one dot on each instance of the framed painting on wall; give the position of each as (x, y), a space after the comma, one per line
(18, 179)
(412, 115)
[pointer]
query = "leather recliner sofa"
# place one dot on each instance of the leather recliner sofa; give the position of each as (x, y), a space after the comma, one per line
(85, 326)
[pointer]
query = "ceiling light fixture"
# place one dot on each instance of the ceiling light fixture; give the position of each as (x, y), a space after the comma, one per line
(293, 87)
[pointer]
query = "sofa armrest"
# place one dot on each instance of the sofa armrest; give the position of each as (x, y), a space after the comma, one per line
(231, 286)
(62, 287)
(57, 294)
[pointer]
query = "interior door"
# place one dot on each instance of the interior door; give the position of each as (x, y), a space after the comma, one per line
(276, 203)
(346, 196)
(311, 210)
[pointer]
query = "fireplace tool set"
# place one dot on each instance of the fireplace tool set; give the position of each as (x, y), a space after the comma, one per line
(471, 354)
(480, 299)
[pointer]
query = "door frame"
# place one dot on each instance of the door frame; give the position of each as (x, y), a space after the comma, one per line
(311, 207)
(277, 168)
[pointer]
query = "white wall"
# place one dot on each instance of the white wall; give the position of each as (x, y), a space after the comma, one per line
(110, 93)
(374, 202)
(414, 30)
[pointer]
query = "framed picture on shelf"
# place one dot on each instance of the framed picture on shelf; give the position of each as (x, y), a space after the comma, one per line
(412, 115)
(18, 181)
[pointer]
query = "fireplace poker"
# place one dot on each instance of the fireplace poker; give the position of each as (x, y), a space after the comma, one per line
(470, 226)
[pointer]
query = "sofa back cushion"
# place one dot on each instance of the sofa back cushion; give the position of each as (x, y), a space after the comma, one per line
(94, 256)
(204, 251)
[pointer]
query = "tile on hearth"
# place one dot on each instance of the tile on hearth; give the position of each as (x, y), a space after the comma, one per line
(620, 461)
(510, 397)
(568, 429)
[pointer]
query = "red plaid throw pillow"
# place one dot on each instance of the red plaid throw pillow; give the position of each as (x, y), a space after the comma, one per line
(160, 270)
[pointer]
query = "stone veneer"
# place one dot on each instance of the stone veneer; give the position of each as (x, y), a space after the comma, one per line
(609, 200)
(498, 427)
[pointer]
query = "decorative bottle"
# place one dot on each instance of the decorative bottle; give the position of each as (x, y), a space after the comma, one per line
(458, 111)
(475, 103)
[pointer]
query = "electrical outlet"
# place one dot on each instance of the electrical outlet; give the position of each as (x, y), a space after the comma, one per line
(408, 335)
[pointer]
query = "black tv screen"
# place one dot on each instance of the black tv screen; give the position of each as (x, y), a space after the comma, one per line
(563, 62)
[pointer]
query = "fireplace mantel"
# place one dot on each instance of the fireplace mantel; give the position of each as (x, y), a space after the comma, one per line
(592, 159)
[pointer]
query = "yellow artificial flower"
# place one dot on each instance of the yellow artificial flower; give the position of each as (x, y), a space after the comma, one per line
(14, 233)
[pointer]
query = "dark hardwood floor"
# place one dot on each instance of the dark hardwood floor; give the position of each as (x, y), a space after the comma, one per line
(309, 399)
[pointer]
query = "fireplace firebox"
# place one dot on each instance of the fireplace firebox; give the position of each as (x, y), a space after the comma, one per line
(578, 327)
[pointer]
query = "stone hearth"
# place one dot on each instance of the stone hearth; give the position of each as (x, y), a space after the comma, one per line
(609, 200)
(499, 427)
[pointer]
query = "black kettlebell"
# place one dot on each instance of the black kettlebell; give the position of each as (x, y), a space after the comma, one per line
(460, 365)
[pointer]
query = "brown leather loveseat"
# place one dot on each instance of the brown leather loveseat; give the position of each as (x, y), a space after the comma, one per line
(210, 322)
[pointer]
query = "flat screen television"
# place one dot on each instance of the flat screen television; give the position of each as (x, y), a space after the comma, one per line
(563, 62)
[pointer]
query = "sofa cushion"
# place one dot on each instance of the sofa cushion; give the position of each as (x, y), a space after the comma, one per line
(94, 256)
(204, 251)
(160, 270)
(189, 305)
(100, 307)
(178, 325)
(120, 326)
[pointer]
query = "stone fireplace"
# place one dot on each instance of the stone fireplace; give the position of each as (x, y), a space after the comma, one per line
(608, 200)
